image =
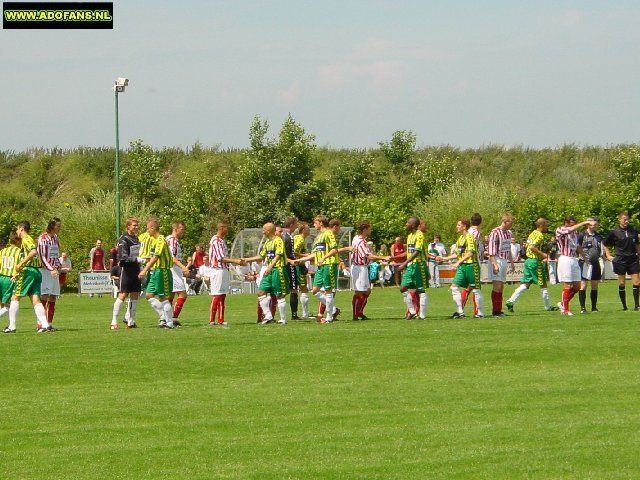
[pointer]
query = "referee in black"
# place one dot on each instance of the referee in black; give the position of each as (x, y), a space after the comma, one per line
(288, 227)
(624, 239)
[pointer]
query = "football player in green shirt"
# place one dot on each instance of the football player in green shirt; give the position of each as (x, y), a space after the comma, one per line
(325, 256)
(28, 279)
(160, 280)
(9, 258)
(415, 274)
(535, 266)
(274, 279)
(467, 269)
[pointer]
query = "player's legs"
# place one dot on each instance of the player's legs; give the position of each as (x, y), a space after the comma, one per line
(407, 284)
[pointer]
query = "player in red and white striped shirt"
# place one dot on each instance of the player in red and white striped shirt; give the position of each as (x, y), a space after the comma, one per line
(178, 270)
(220, 278)
(361, 255)
(568, 267)
(499, 249)
(48, 247)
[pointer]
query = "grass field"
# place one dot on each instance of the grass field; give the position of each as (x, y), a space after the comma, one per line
(533, 395)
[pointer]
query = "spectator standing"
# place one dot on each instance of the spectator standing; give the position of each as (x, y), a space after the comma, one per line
(435, 249)
(113, 257)
(65, 267)
(96, 257)
(197, 259)
(399, 252)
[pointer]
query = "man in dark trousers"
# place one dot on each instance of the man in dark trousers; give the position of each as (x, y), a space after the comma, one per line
(624, 238)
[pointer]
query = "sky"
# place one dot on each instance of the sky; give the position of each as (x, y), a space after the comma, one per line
(534, 73)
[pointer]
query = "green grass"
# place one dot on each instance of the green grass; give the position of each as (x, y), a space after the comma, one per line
(534, 395)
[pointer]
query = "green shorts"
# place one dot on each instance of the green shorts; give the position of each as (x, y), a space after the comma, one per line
(301, 273)
(416, 277)
(275, 282)
(467, 275)
(145, 282)
(28, 282)
(6, 289)
(535, 271)
(160, 282)
(326, 276)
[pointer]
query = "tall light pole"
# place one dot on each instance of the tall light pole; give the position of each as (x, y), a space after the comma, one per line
(119, 86)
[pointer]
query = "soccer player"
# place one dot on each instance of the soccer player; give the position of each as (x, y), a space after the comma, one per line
(160, 283)
(274, 279)
(624, 238)
(467, 268)
(219, 277)
(28, 279)
(9, 258)
(568, 267)
(288, 227)
(48, 247)
(146, 253)
(129, 284)
(361, 255)
(415, 274)
(325, 256)
(476, 221)
(178, 269)
(299, 249)
(535, 268)
(500, 260)
(592, 251)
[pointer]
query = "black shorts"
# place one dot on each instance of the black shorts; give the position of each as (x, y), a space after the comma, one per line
(292, 276)
(626, 265)
(595, 273)
(129, 281)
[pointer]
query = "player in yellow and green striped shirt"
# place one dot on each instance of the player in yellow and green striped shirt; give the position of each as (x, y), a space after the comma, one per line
(535, 267)
(274, 279)
(9, 258)
(467, 269)
(415, 276)
(161, 279)
(325, 255)
(27, 280)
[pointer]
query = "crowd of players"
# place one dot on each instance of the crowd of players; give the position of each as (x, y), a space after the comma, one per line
(152, 264)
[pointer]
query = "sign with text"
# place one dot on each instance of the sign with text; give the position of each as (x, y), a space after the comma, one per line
(94, 282)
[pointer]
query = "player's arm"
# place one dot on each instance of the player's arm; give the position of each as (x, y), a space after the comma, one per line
(404, 264)
(177, 262)
(537, 251)
(147, 267)
(273, 263)
(256, 258)
(32, 253)
(124, 254)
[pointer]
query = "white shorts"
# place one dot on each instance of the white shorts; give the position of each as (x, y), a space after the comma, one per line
(220, 280)
(501, 276)
(360, 278)
(50, 285)
(568, 269)
(179, 285)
